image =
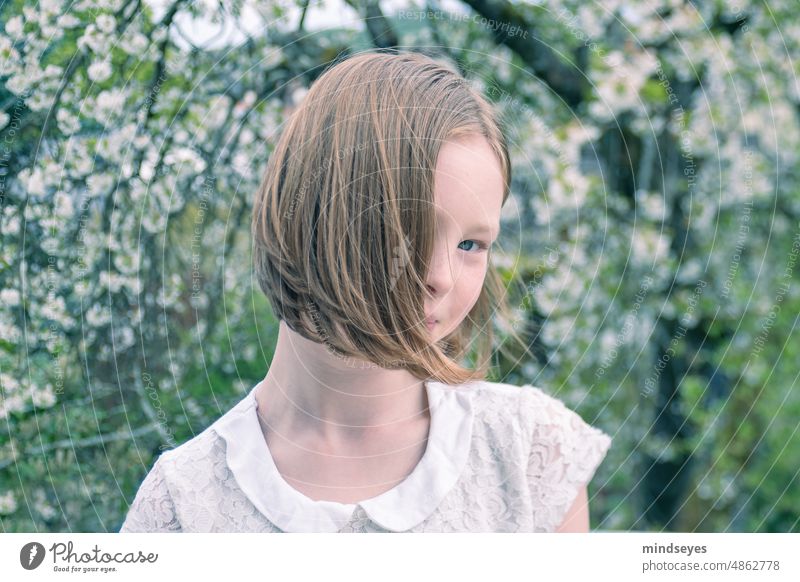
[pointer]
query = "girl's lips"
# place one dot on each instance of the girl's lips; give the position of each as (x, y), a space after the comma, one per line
(431, 323)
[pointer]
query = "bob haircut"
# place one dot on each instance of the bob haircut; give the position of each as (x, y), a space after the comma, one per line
(344, 219)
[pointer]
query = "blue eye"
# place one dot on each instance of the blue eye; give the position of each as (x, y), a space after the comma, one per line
(476, 244)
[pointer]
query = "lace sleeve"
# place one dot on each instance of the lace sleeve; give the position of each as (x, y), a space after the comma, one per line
(565, 453)
(152, 509)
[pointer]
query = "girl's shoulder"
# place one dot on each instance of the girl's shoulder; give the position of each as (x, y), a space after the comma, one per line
(529, 410)
(532, 400)
(537, 443)
(173, 477)
(179, 467)
(203, 454)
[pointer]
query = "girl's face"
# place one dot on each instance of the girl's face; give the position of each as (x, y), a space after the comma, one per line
(468, 193)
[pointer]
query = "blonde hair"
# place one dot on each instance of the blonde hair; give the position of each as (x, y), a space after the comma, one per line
(343, 221)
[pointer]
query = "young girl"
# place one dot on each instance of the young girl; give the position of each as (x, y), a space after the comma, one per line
(372, 230)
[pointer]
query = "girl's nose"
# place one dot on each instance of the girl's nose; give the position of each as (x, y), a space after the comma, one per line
(440, 275)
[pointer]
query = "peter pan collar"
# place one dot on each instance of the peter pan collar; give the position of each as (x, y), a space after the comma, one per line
(399, 509)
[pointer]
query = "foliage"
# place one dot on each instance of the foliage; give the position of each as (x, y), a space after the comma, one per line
(653, 237)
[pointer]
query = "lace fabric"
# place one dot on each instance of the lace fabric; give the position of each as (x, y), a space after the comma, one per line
(500, 458)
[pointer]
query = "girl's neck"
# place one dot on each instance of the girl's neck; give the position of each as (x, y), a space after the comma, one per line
(310, 391)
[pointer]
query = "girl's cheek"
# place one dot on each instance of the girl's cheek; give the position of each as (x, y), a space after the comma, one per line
(477, 271)
(477, 284)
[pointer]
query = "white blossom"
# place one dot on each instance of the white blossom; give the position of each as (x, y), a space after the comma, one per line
(9, 297)
(8, 383)
(99, 184)
(185, 155)
(63, 205)
(134, 44)
(19, 83)
(68, 21)
(124, 338)
(33, 181)
(99, 71)
(112, 281)
(8, 502)
(50, 7)
(11, 226)
(54, 309)
(109, 102)
(41, 101)
(649, 245)
(68, 122)
(14, 27)
(106, 23)
(652, 205)
(43, 398)
(127, 262)
(95, 40)
(98, 315)
(44, 509)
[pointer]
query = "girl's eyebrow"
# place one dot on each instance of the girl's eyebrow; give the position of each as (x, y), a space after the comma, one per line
(483, 228)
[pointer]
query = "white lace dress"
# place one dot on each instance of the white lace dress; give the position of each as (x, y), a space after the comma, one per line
(499, 458)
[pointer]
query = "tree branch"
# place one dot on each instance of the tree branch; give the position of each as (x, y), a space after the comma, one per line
(382, 33)
(566, 81)
(82, 443)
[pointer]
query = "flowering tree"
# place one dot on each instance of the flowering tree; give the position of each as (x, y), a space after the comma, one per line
(661, 256)
(653, 235)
